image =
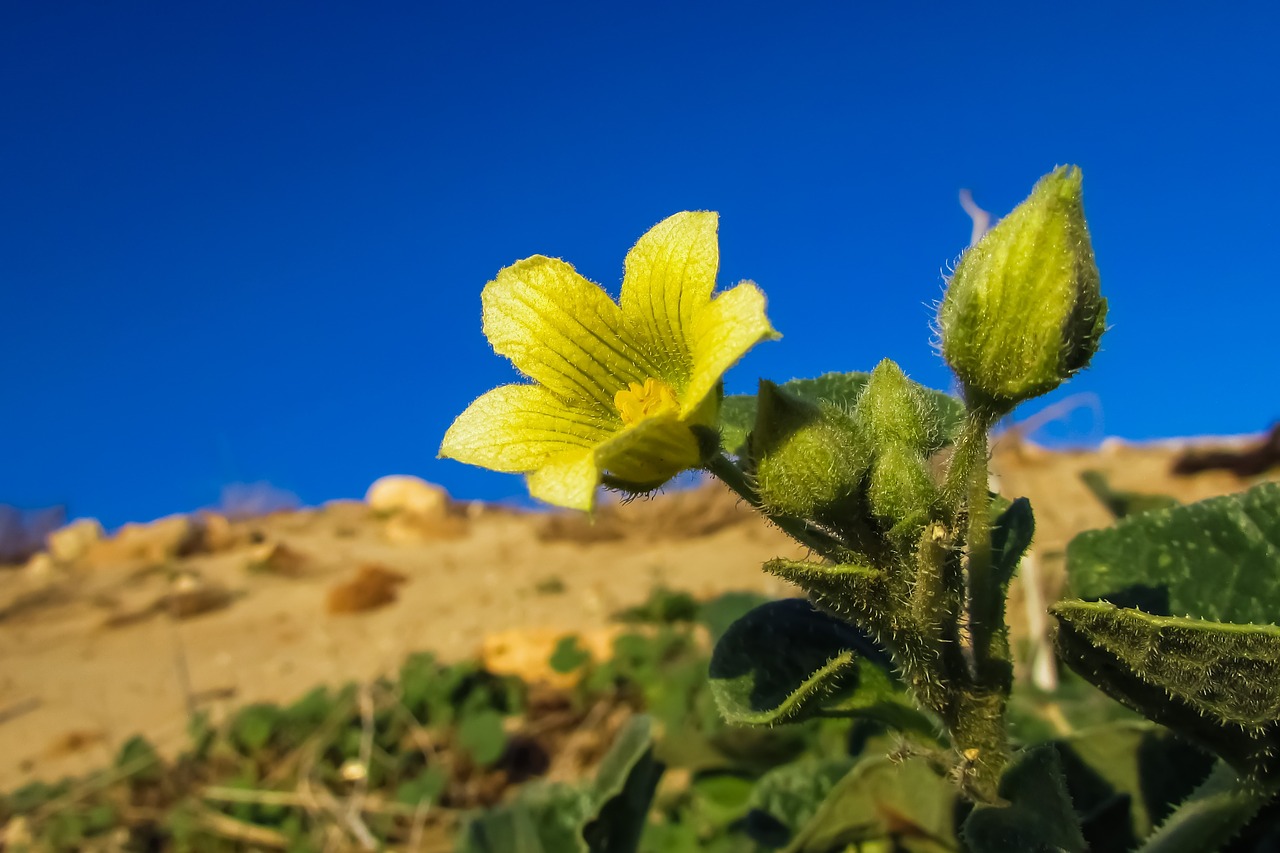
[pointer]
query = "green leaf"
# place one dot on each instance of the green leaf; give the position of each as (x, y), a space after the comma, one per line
(1125, 777)
(427, 785)
(624, 786)
(719, 613)
(544, 818)
(787, 797)
(825, 660)
(850, 590)
(568, 655)
(1123, 503)
(139, 760)
(1011, 536)
(880, 799)
(481, 734)
(1215, 814)
(1216, 683)
(738, 412)
(254, 725)
(1039, 817)
(1218, 559)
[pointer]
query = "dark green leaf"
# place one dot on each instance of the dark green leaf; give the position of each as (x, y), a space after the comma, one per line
(1039, 817)
(1218, 559)
(825, 660)
(624, 786)
(738, 412)
(1125, 777)
(787, 797)
(1011, 535)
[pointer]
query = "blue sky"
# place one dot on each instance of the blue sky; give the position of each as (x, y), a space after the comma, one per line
(245, 242)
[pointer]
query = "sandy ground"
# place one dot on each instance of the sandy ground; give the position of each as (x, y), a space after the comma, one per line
(88, 657)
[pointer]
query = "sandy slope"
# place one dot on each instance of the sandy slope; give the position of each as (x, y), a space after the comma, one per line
(84, 663)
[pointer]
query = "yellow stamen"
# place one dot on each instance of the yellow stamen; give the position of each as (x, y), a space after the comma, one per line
(637, 402)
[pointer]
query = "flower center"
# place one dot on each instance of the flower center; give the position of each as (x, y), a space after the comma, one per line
(637, 402)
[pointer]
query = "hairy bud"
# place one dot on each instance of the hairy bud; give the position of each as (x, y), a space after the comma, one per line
(809, 460)
(1023, 311)
(895, 412)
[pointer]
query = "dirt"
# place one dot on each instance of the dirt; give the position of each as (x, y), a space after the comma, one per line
(97, 650)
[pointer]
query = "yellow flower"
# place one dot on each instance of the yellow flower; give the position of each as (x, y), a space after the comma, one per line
(627, 392)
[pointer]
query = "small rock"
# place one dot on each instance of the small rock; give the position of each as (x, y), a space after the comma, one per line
(192, 596)
(217, 534)
(374, 586)
(40, 567)
(278, 559)
(157, 542)
(67, 544)
(411, 528)
(403, 493)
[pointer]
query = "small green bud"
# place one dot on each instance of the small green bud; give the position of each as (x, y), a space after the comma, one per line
(1023, 311)
(896, 412)
(809, 458)
(901, 487)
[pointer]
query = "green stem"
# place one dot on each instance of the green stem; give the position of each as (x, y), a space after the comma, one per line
(966, 496)
(978, 715)
(1212, 816)
(731, 475)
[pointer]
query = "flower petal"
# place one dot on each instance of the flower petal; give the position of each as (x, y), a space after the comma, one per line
(723, 331)
(519, 427)
(646, 454)
(650, 452)
(569, 481)
(669, 276)
(562, 331)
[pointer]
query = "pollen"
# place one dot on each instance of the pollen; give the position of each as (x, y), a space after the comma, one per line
(637, 402)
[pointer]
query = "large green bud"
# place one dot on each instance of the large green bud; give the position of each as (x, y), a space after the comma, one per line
(810, 461)
(1023, 311)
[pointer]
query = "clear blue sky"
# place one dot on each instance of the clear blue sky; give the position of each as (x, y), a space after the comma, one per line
(246, 241)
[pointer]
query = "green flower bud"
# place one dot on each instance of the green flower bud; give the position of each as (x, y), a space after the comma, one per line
(1023, 311)
(895, 412)
(901, 488)
(809, 459)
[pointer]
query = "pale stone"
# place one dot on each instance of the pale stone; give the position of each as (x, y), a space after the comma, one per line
(411, 528)
(156, 542)
(403, 493)
(526, 653)
(69, 543)
(40, 566)
(217, 533)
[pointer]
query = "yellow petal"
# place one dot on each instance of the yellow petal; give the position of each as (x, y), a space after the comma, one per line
(669, 276)
(650, 452)
(562, 331)
(646, 454)
(569, 480)
(723, 331)
(517, 428)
